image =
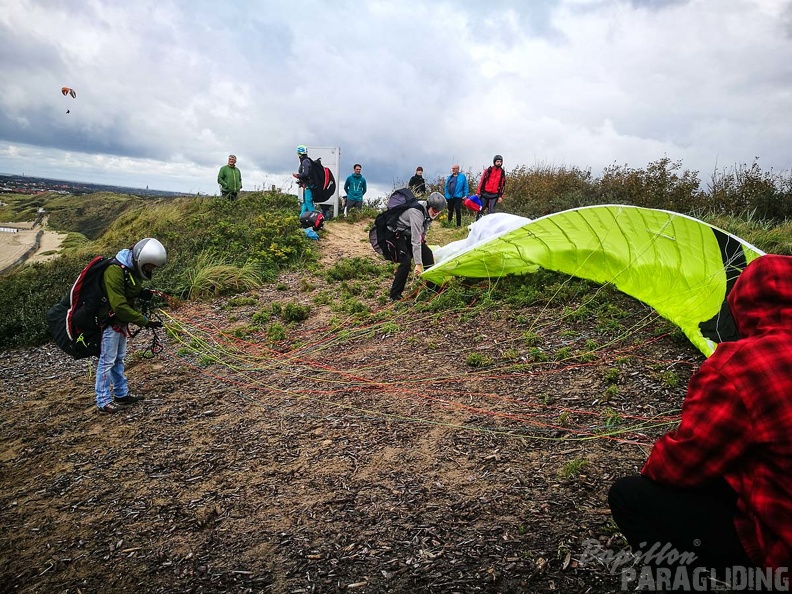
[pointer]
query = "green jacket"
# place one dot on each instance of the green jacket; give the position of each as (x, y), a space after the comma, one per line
(121, 294)
(230, 179)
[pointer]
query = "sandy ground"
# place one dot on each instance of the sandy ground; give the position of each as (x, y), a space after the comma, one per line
(346, 241)
(14, 245)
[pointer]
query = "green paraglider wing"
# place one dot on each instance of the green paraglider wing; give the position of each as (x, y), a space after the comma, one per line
(682, 267)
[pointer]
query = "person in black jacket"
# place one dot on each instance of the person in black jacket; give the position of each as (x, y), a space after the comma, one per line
(303, 176)
(417, 183)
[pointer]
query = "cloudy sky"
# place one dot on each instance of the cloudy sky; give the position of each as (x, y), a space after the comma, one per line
(166, 89)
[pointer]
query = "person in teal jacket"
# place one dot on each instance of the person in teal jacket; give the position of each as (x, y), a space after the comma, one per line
(456, 190)
(230, 179)
(355, 188)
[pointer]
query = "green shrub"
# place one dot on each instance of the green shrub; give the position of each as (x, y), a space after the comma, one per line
(612, 418)
(276, 332)
(563, 354)
(573, 468)
(478, 360)
(669, 378)
(294, 312)
(535, 355)
(354, 268)
(212, 277)
(262, 316)
(242, 301)
(243, 331)
(26, 295)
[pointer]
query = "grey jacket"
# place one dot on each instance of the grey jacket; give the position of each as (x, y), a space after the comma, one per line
(415, 223)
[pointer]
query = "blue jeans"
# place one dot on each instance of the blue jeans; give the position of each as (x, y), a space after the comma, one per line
(110, 368)
(307, 205)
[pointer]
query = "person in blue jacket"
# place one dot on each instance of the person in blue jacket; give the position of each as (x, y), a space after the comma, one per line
(456, 190)
(355, 188)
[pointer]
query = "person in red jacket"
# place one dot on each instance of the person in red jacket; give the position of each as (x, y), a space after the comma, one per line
(720, 485)
(491, 186)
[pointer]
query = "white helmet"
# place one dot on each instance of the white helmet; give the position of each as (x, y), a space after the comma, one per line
(148, 251)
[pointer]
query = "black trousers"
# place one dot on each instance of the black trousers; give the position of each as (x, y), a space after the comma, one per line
(695, 520)
(404, 257)
(455, 205)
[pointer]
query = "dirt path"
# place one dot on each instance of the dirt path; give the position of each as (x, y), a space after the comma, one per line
(345, 240)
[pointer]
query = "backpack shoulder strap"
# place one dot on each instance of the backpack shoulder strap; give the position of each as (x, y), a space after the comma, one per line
(485, 177)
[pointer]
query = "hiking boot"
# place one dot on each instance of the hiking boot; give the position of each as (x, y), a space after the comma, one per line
(128, 399)
(110, 408)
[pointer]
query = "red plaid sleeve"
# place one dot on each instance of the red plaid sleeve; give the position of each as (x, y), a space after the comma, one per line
(712, 436)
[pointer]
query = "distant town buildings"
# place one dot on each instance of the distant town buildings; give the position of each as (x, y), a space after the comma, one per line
(22, 184)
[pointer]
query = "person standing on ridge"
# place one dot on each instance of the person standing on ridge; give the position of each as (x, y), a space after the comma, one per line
(303, 176)
(230, 179)
(411, 228)
(121, 285)
(417, 182)
(456, 190)
(493, 182)
(355, 188)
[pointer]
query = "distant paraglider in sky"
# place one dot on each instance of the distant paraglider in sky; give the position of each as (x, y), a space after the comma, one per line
(68, 91)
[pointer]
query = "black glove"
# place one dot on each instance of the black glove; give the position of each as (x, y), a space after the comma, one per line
(153, 324)
(146, 295)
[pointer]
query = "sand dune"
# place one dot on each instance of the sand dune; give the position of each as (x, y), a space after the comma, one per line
(20, 242)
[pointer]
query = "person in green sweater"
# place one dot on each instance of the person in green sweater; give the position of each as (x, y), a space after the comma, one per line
(122, 285)
(230, 179)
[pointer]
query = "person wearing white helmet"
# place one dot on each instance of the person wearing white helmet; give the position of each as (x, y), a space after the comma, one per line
(303, 176)
(411, 228)
(122, 285)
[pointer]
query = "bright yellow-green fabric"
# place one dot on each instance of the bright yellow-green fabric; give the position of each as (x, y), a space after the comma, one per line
(670, 261)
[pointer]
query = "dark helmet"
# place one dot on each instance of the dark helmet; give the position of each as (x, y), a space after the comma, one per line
(497, 158)
(148, 251)
(436, 200)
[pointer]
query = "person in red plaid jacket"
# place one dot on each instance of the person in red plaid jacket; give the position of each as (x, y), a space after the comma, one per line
(720, 486)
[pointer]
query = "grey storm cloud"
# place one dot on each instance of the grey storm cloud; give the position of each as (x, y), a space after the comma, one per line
(165, 90)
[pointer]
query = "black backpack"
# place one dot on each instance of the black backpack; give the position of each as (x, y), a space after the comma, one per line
(73, 321)
(312, 219)
(382, 237)
(323, 181)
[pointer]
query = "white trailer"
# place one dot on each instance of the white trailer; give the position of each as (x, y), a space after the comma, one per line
(331, 158)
